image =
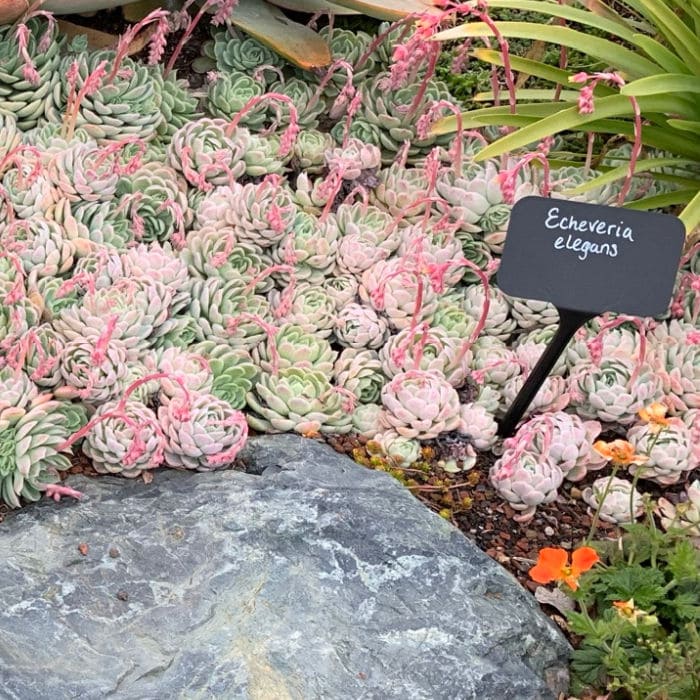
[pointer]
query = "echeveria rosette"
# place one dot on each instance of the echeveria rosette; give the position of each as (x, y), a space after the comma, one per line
(685, 515)
(10, 139)
(261, 154)
(669, 452)
(610, 496)
(349, 46)
(102, 267)
(359, 326)
(530, 313)
(203, 152)
(478, 425)
(360, 371)
(28, 193)
(83, 171)
(17, 390)
(613, 341)
(44, 349)
(342, 289)
(390, 287)
(93, 374)
(300, 400)
(262, 214)
(401, 450)
(124, 438)
(302, 95)
(155, 197)
(310, 307)
(478, 253)
(240, 53)
(124, 104)
(553, 395)
(311, 194)
(420, 404)
(215, 306)
(451, 317)
(202, 432)
(25, 98)
(528, 348)
(41, 246)
(106, 225)
(613, 390)
(233, 372)
(229, 92)
(355, 161)
(211, 208)
(398, 191)
(425, 348)
(30, 438)
(182, 332)
(178, 104)
(16, 319)
(183, 368)
(435, 247)
(568, 442)
(498, 322)
(293, 346)
(526, 480)
(309, 151)
(493, 362)
(367, 420)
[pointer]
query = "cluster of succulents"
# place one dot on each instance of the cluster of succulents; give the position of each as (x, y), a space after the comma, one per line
(174, 271)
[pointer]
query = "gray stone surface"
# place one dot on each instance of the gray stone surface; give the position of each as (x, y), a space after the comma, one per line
(306, 577)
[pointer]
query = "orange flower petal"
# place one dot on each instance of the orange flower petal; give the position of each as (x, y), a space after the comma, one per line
(583, 559)
(571, 582)
(551, 562)
(602, 448)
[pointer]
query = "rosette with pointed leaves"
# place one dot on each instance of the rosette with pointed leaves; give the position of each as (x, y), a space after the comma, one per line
(309, 151)
(40, 245)
(202, 432)
(494, 361)
(396, 112)
(44, 349)
(298, 399)
(611, 497)
(29, 193)
(182, 332)
(261, 154)
(367, 420)
(425, 348)
(311, 195)
(16, 319)
(390, 287)
(30, 436)
(103, 268)
(104, 224)
(564, 179)
(360, 371)
(211, 208)
(22, 96)
(124, 104)
(359, 326)
(262, 214)
(177, 103)
(228, 93)
(438, 247)
(51, 295)
(477, 252)
(310, 247)
(530, 313)
(401, 450)
(157, 203)
(669, 452)
(529, 347)
(240, 53)
(355, 161)
(125, 439)
(311, 308)
(214, 252)
(190, 368)
(10, 138)
(363, 245)
(451, 317)
(295, 347)
(137, 306)
(204, 154)
(50, 139)
(526, 480)
(622, 341)
(420, 404)
(233, 373)
(684, 515)
(216, 303)
(342, 289)
(478, 425)
(551, 396)
(93, 374)
(567, 440)
(613, 390)
(499, 323)
(82, 171)
(302, 95)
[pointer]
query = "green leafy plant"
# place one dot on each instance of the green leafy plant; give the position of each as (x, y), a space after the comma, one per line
(653, 52)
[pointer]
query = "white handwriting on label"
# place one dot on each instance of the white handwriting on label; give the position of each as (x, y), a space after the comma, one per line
(581, 246)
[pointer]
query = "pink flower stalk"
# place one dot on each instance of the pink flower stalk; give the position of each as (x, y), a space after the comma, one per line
(595, 346)
(428, 119)
(355, 104)
(269, 329)
(17, 290)
(508, 179)
(223, 11)
(379, 39)
(522, 441)
(250, 287)
(159, 41)
(586, 106)
(259, 73)
(358, 190)
(290, 133)
(56, 491)
(16, 157)
(91, 83)
(227, 456)
(347, 92)
(191, 175)
(29, 70)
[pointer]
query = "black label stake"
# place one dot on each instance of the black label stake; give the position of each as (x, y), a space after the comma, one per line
(585, 259)
(569, 323)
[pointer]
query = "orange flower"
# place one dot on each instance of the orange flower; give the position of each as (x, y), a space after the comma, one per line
(619, 452)
(655, 415)
(553, 565)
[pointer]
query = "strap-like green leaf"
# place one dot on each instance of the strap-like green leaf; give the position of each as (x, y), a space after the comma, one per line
(389, 9)
(631, 63)
(661, 201)
(662, 85)
(661, 54)
(533, 94)
(690, 216)
(685, 125)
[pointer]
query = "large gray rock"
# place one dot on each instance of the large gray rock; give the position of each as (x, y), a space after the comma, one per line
(306, 577)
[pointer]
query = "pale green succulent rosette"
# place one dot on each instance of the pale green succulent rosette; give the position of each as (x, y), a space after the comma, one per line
(16, 319)
(261, 154)
(311, 308)
(233, 372)
(302, 95)
(244, 54)
(28, 101)
(44, 351)
(157, 201)
(228, 93)
(183, 331)
(41, 246)
(309, 151)
(297, 399)
(30, 194)
(360, 372)
(105, 224)
(348, 46)
(10, 138)
(398, 191)
(177, 103)
(295, 347)
(127, 104)
(127, 443)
